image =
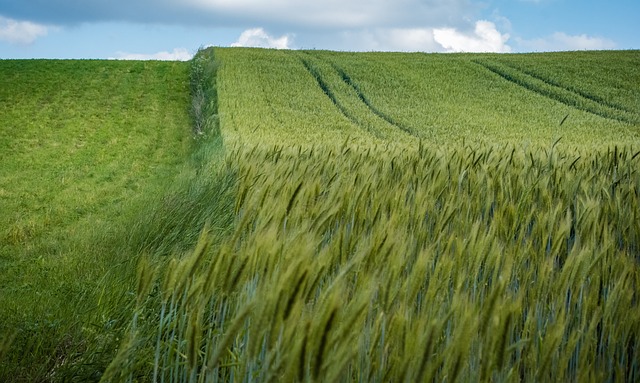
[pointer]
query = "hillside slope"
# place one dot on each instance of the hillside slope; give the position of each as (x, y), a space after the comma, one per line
(587, 98)
(84, 147)
(410, 217)
(335, 217)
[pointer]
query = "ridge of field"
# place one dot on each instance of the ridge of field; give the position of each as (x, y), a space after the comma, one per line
(317, 96)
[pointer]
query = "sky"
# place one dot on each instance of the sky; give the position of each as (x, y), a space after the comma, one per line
(175, 29)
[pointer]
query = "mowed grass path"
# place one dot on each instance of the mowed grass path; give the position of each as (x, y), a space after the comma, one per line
(83, 145)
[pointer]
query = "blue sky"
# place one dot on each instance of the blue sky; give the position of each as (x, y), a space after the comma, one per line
(175, 29)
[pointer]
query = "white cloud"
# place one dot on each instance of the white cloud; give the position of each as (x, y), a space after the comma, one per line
(336, 14)
(287, 14)
(257, 37)
(412, 39)
(20, 32)
(390, 39)
(561, 41)
(484, 38)
(502, 22)
(178, 54)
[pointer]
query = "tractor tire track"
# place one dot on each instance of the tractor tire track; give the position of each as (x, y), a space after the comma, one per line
(578, 92)
(329, 93)
(347, 80)
(575, 100)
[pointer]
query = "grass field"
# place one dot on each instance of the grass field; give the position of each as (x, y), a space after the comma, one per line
(340, 217)
(85, 145)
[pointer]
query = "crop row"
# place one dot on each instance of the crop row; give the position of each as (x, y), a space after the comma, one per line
(270, 97)
(547, 78)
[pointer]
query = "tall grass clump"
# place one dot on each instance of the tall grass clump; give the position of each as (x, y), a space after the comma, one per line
(467, 263)
(204, 98)
(201, 194)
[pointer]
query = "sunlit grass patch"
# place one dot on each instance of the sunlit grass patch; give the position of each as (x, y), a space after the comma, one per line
(85, 145)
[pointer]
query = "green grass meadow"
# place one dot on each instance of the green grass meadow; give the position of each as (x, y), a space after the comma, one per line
(87, 146)
(313, 216)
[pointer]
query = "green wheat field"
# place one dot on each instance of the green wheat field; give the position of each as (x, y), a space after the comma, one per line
(312, 216)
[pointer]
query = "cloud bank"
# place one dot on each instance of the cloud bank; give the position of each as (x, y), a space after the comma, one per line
(257, 37)
(386, 24)
(307, 14)
(483, 37)
(561, 41)
(20, 32)
(178, 54)
(383, 25)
